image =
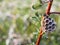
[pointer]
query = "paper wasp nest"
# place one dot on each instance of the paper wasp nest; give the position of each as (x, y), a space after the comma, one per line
(48, 23)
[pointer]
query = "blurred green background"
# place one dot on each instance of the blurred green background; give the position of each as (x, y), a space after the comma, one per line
(20, 20)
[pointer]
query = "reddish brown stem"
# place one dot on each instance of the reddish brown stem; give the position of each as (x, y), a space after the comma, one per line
(49, 7)
(39, 37)
(54, 13)
(47, 12)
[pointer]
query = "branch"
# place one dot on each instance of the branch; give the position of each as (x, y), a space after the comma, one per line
(54, 13)
(39, 37)
(49, 7)
(47, 12)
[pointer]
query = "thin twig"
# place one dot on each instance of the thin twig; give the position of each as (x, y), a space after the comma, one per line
(39, 37)
(54, 13)
(49, 7)
(47, 12)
